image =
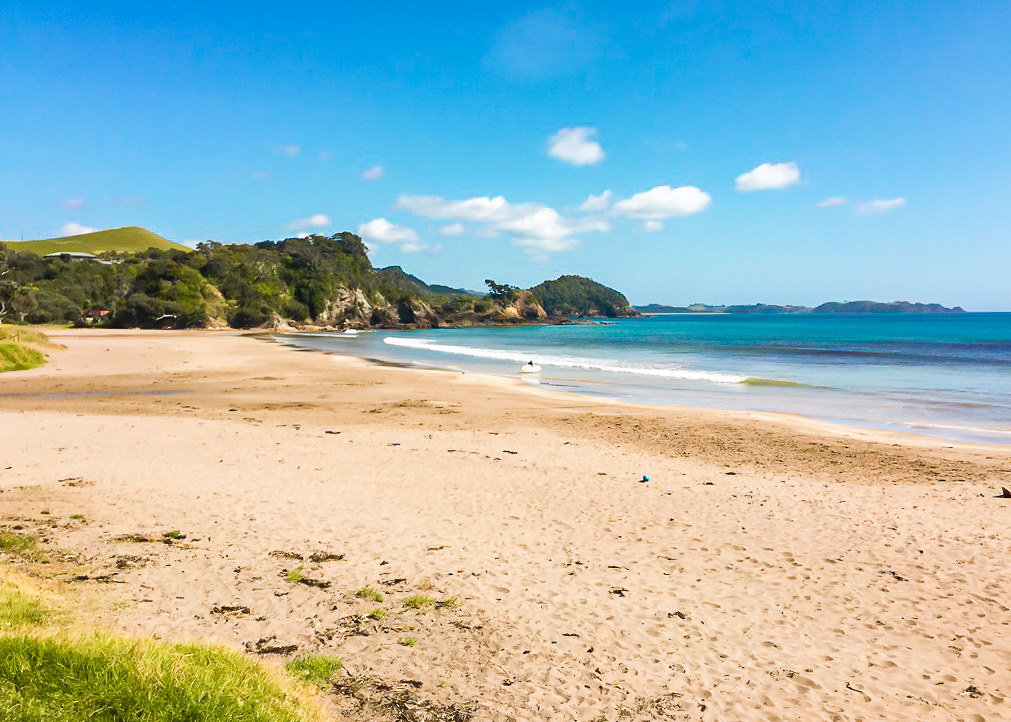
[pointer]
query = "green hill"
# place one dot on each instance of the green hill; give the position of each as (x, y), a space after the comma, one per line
(124, 240)
(578, 296)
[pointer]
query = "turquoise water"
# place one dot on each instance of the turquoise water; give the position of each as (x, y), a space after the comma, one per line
(944, 375)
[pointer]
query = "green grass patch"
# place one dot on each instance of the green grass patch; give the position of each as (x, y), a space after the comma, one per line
(377, 613)
(100, 677)
(18, 611)
(418, 601)
(14, 357)
(173, 534)
(316, 669)
(20, 545)
(24, 334)
(410, 641)
(448, 603)
(369, 593)
(295, 575)
(79, 517)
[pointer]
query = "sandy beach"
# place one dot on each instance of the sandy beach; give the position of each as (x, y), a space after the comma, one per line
(773, 567)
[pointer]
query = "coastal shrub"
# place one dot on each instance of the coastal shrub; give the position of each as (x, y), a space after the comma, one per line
(578, 296)
(251, 315)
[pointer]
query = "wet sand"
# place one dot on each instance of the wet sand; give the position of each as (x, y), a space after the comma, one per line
(772, 568)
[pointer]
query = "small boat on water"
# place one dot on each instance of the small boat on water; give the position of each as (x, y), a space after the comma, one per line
(530, 368)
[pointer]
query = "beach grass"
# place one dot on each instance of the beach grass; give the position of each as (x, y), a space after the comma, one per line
(24, 334)
(18, 610)
(15, 357)
(19, 545)
(418, 601)
(52, 670)
(19, 348)
(98, 676)
(369, 593)
(76, 675)
(315, 669)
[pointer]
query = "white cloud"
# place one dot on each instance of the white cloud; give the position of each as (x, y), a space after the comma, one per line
(381, 230)
(532, 226)
(291, 150)
(880, 206)
(538, 248)
(373, 173)
(316, 220)
(769, 176)
(663, 202)
(420, 247)
(324, 155)
(453, 229)
(546, 226)
(596, 203)
(833, 201)
(74, 204)
(573, 146)
(652, 226)
(482, 209)
(74, 229)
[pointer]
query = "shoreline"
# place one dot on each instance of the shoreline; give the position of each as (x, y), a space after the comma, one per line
(769, 567)
(864, 429)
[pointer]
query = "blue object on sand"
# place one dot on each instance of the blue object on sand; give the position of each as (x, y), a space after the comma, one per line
(645, 478)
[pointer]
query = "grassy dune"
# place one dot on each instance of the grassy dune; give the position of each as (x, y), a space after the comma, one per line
(102, 677)
(17, 348)
(14, 357)
(51, 671)
(130, 239)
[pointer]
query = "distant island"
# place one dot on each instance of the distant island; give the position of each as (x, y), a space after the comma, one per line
(831, 307)
(131, 277)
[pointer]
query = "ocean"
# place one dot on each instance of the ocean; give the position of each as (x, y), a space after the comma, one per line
(943, 375)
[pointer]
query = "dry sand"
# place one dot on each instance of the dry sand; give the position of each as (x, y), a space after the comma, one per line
(773, 568)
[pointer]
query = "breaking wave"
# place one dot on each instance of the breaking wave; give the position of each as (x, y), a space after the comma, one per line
(570, 362)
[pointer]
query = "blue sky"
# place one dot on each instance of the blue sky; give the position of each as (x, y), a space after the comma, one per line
(721, 152)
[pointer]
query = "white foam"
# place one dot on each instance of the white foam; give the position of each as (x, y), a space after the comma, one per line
(957, 427)
(572, 362)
